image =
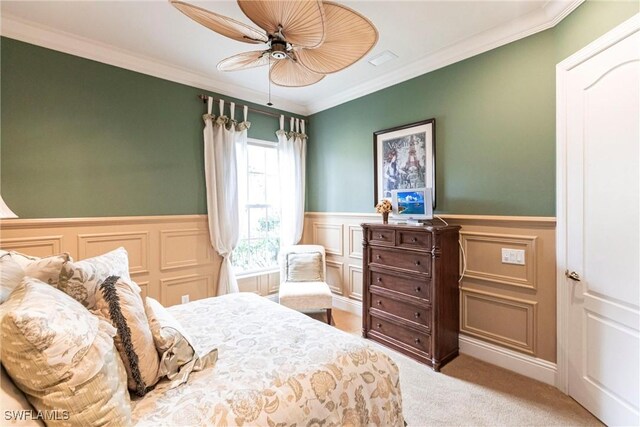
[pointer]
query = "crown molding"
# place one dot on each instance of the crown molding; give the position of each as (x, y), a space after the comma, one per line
(547, 16)
(50, 38)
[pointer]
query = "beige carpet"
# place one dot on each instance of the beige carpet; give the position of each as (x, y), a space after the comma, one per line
(469, 392)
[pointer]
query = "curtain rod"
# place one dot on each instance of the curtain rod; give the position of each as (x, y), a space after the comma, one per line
(204, 99)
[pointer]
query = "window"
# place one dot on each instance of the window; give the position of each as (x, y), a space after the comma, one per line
(259, 242)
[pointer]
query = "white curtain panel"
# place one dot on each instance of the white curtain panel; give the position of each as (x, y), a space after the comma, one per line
(292, 151)
(224, 142)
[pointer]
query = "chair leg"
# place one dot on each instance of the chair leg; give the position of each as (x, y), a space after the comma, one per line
(329, 318)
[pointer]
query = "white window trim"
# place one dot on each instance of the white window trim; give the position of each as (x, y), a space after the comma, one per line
(267, 270)
(254, 273)
(262, 142)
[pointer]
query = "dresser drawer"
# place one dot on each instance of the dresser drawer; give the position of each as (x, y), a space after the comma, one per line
(419, 315)
(413, 287)
(382, 236)
(414, 239)
(408, 260)
(403, 334)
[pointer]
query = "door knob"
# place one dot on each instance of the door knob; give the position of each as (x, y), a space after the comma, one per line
(572, 275)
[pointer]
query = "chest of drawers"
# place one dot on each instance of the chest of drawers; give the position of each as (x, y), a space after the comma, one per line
(411, 298)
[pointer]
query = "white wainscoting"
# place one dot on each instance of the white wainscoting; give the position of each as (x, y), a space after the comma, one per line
(507, 311)
(169, 256)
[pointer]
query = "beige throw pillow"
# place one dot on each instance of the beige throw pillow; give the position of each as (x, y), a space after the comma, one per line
(304, 267)
(11, 275)
(119, 303)
(63, 358)
(45, 269)
(80, 279)
(178, 357)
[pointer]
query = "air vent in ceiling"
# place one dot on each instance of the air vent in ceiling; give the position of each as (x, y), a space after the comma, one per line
(381, 58)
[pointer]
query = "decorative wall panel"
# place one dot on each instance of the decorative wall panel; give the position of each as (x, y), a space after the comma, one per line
(355, 241)
(136, 244)
(330, 236)
(184, 248)
(35, 246)
(335, 273)
(506, 321)
(355, 282)
(194, 285)
(484, 262)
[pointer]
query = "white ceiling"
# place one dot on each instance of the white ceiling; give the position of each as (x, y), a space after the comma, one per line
(153, 37)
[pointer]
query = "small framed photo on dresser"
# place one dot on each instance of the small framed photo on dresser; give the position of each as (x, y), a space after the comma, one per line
(404, 158)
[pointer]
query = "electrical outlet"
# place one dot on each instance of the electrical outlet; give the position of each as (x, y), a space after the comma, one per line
(185, 299)
(513, 256)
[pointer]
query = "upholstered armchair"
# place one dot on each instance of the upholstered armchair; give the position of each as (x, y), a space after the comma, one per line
(302, 279)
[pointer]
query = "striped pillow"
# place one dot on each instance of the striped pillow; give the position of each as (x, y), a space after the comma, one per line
(304, 267)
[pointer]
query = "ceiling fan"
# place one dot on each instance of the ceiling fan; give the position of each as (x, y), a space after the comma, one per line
(305, 39)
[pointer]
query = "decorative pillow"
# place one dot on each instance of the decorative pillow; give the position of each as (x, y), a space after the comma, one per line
(178, 357)
(121, 304)
(11, 275)
(80, 279)
(63, 358)
(304, 267)
(45, 269)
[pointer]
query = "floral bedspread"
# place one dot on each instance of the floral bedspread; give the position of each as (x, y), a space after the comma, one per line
(276, 367)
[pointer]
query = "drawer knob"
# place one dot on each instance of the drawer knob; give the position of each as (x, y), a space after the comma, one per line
(417, 262)
(378, 257)
(379, 302)
(380, 236)
(418, 288)
(414, 240)
(416, 314)
(417, 340)
(379, 279)
(379, 325)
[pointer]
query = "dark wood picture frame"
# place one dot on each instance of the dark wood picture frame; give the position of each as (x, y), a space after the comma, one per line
(377, 181)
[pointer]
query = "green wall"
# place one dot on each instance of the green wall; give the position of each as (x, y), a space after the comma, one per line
(495, 126)
(81, 138)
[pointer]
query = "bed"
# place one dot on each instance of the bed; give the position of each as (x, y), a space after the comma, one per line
(276, 367)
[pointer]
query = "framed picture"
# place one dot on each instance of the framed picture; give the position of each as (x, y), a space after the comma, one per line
(405, 157)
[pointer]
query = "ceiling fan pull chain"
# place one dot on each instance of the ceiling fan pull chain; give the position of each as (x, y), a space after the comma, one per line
(269, 78)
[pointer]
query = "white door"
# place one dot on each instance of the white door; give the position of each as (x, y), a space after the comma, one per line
(602, 110)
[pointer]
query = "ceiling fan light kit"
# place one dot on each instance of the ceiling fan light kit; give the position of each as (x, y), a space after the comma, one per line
(305, 39)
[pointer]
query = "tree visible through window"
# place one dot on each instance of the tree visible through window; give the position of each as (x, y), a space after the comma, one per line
(260, 216)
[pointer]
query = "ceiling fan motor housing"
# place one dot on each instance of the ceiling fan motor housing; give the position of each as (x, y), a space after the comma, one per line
(278, 49)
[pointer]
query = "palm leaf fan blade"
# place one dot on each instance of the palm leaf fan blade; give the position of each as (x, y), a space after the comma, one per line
(221, 24)
(349, 37)
(288, 73)
(244, 61)
(302, 22)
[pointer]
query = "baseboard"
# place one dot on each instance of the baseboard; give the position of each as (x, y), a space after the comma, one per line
(532, 367)
(347, 304)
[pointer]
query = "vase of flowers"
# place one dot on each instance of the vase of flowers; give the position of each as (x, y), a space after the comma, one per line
(384, 207)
